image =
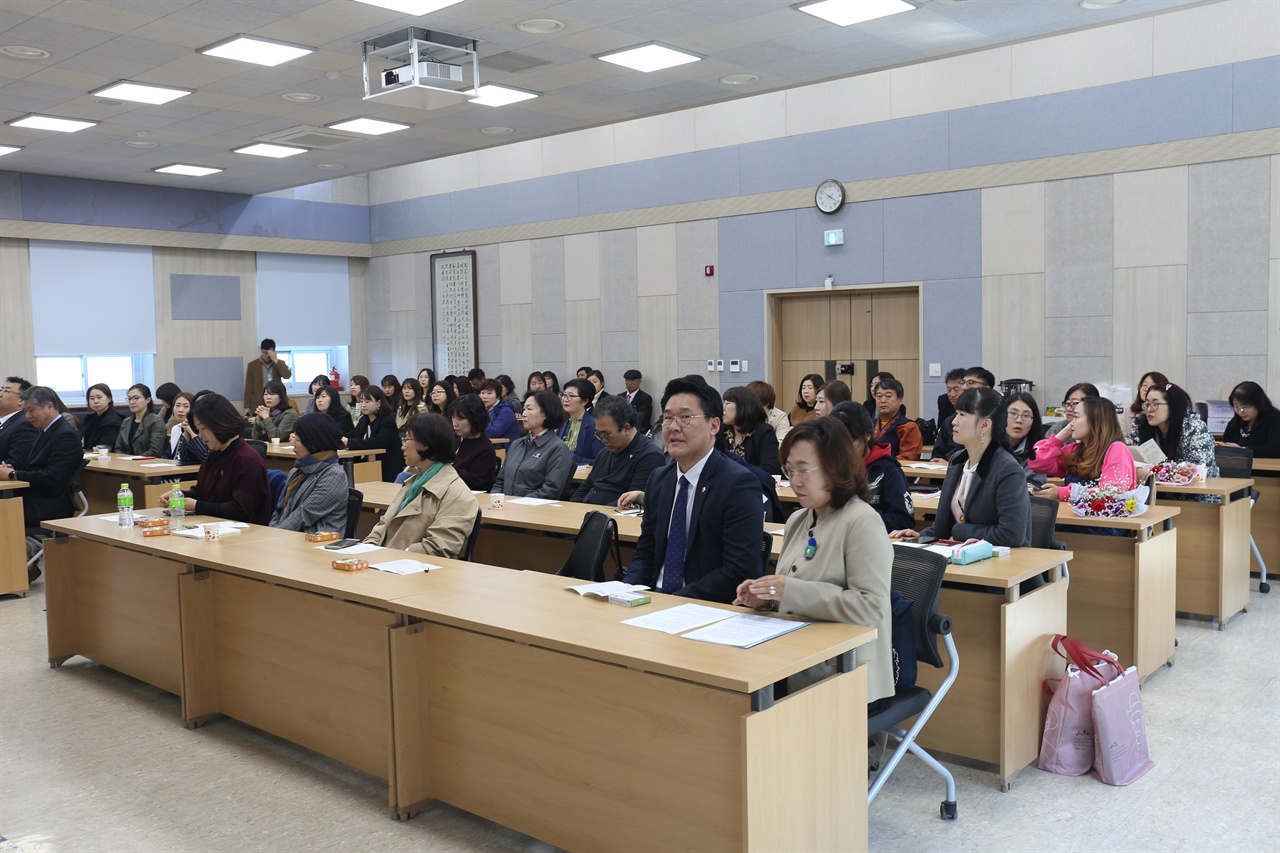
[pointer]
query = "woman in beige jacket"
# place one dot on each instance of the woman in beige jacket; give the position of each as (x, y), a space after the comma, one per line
(836, 562)
(434, 511)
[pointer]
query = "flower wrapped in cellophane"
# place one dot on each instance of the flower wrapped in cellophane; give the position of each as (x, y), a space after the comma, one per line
(1092, 501)
(1179, 473)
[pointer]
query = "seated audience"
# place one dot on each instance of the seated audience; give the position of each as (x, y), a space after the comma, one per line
(890, 495)
(947, 401)
(578, 431)
(806, 398)
(552, 382)
(1169, 418)
(377, 429)
(1024, 428)
(440, 397)
(426, 378)
(984, 495)
(51, 464)
(835, 563)
(703, 521)
(538, 465)
(184, 446)
(535, 382)
(476, 377)
(166, 394)
(321, 381)
(1075, 396)
(944, 446)
(232, 481)
(17, 435)
(1256, 424)
(315, 495)
(274, 418)
(509, 395)
(1149, 379)
(830, 395)
(462, 386)
(474, 457)
(584, 371)
(596, 378)
(872, 387)
(891, 424)
(777, 418)
(410, 402)
(434, 511)
(626, 459)
(142, 434)
(748, 434)
(502, 418)
(355, 387)
(391, 390)
(102, 424)
(1098, 457)
(329, 402)
(638, 400)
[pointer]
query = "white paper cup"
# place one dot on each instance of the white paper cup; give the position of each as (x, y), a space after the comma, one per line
(211, 533)
(275, 442)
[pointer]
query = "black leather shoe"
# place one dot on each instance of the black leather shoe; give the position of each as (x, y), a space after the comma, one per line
(33, 573)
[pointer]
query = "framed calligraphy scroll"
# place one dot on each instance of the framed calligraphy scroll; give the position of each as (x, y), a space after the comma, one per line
(453, 302)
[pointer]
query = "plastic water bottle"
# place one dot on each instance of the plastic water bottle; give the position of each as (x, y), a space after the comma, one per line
(124, 506)
(177, 508)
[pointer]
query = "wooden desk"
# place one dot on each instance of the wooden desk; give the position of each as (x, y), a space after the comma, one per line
(13, 538)
(282, 457)
(1266, 522)
(926, 470)
(1122, 589)
(995, 711)
(1213, 547)
(101, 480)
(537, 709)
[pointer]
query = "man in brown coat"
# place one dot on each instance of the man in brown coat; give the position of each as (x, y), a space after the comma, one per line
(266, 368)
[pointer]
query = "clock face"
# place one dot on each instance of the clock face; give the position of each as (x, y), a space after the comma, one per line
(829, 196)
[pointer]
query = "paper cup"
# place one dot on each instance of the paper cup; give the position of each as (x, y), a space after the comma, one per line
(275, 442)
(211, 533)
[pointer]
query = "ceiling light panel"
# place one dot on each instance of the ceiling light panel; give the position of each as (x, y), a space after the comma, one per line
(62, 125)
(649, 57)
(845, 13)
(9, 149)
(141, 93)
(259, 51)
(189, 171)
(493, 95)
(263, 149)
(368, 126)
(411, 7)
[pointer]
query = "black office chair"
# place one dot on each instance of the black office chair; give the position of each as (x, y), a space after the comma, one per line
(258, 445)
(470, 550)
(355, 505)
(917, 574)
(35, 536)
(1236, 463)
(596, 538)
(766, 551)
(1044, 523)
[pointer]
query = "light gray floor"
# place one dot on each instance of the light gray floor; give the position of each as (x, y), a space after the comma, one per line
(93, 760)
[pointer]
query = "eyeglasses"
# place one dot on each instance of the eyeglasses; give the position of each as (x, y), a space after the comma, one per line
(683, 420)
(1022, 416)
(570, 397)
(134, 398)
(1245, 407)
(1070, 405)
(1149, 404)
(973, 383)
(605, 435)
(794, 474)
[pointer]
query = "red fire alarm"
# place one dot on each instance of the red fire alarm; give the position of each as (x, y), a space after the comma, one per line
(708, 270)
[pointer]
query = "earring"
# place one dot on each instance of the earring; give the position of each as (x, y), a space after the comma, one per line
(983, 437)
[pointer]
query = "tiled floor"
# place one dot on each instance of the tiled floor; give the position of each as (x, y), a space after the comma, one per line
(92, 760)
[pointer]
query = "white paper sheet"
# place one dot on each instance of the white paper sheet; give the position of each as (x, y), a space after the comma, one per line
(928, 466)
(225, 528)
(358, 548)
(159, 465)
(403, 567)
(604, 590)
(674, 620)
(745, 630)
(533, 501)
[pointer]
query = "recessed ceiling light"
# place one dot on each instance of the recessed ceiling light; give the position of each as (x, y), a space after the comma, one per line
(649, 57)
(493, 95)
(496, 130)
(739, 79)
(9, 149)
(189, 171)
(845, 13)
(329, 166)
(540, 26)
(264, 149)
(140, 143)
(368, 126)
(23, 51)
(62, 125)
(109, 102)
(411, 7)
(141, 92)
(301, 97)
(259, 51)
(1100, 4)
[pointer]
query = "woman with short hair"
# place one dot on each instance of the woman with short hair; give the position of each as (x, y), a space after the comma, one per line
(142, 434)
(502, 418)
(1256, 424)
(377, 429)
(475, 460)
(329, 402)
(315, 495)
(538, 465)
(749, 435)
(768, 398)
(102, 424)
(806, 398)
(232, 480)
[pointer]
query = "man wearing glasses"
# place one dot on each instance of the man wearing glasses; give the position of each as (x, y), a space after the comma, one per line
(974, 377)
(627, 460)
(579, 429)
(17, 435)
(704, 517)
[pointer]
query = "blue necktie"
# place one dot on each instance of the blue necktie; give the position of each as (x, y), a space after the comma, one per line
(673, 568)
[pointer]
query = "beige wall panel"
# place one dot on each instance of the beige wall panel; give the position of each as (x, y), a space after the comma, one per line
(1013, 230)
(17, 344)
(582, 334)
(658, 342)
(404, 343)
(358, 353)
(838, 103)
(582, 267)
(573, 152)
(517, 339)
(1078, 60)
(203, 338)
(1013, 327)
(400, 183)
(1151, 218)
(1275, 207)
(1215, 34)
(744, 120)
(656, 260)
(401, 274)
(516, 263)
(655, 136)
(518, 161)
(1273, 328)
(1150, 321)
(947, 84)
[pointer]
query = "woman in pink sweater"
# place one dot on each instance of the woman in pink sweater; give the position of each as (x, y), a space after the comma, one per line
(1098, 458)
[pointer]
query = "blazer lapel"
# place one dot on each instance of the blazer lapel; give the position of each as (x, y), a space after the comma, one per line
(704, 485)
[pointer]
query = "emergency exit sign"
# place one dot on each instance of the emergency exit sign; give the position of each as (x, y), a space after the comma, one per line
(833, 238)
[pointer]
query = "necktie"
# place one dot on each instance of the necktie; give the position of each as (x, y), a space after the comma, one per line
(673, 568)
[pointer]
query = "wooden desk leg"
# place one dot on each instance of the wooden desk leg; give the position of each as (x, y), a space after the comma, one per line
(1026, 629)
(13, 547)
(1156, 608)
(199, 663)
(1265, 528)
(410, 721)
(60, 600)
(1213, 558)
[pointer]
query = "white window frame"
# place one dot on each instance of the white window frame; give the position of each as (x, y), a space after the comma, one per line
(143, 372)
(300, 386)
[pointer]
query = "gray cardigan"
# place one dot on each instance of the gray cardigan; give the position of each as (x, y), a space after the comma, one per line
(537, 469)
(148, 440)
(998, 507)
(319, 502)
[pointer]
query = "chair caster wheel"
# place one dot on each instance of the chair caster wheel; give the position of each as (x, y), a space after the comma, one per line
(948, 810)
(1264, 587)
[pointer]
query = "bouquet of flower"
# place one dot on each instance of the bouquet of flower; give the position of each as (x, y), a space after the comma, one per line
(1092, 501)
(1179, 473)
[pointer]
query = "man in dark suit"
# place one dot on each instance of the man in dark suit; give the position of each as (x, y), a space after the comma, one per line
(53, 463)
(703, 517)
(639, 400)
(17, 435)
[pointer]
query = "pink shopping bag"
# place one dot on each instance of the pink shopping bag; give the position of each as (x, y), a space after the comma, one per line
(1067, 746)
(1120, 731)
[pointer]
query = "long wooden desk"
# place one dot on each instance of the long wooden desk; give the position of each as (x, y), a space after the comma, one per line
(1122, 591)
(1266, 522)
(282, 457)
(1213, 547)
(13, 548)
(101, 480)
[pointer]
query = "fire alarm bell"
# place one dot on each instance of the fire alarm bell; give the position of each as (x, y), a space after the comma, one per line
(708, 270)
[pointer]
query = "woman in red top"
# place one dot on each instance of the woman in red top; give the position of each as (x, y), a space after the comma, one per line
(232, 481)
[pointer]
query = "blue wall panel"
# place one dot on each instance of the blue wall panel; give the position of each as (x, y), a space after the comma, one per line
(933, 236)
(1256, 92)
(741, 335)
(666, 180)
(952, 313)
(859, 261)
(757, 252)
(534, 200)
(414, 217)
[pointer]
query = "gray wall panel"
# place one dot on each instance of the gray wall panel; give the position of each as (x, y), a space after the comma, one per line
(204, 297)
(223, 375)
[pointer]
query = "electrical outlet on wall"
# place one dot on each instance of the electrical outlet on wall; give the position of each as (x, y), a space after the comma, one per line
(711, 365)
(935, 369)
(744, 366)
(720, 365)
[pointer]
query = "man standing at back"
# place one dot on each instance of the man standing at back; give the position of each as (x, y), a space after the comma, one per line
(703, 519)
(17, 435)
(267, 367)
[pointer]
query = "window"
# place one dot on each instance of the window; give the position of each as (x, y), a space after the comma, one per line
(71, 375)
(306, 363)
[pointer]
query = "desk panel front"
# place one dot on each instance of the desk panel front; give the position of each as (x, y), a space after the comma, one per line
(13, 548)
(1213, 547)
(1266, 516)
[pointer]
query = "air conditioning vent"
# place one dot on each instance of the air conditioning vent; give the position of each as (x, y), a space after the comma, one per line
(313, 137)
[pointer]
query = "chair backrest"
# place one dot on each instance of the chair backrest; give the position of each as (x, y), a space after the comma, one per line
(470, 550)
(1234, 462)
(276, 481)
(355, 505)
(1150, 483)
(78, 497)
(917, 574)
(258, 445)
(766, 551)
(595, 537)
(1044, 521)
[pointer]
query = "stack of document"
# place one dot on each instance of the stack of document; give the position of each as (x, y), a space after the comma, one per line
(726, 628)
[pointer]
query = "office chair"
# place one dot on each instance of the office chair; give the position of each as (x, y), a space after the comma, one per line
(597, 536)
(1044, 523)
(766, 551)
(470, 550)
(917, 574)
(355, 505)
(258, 445)
(1237, 463)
